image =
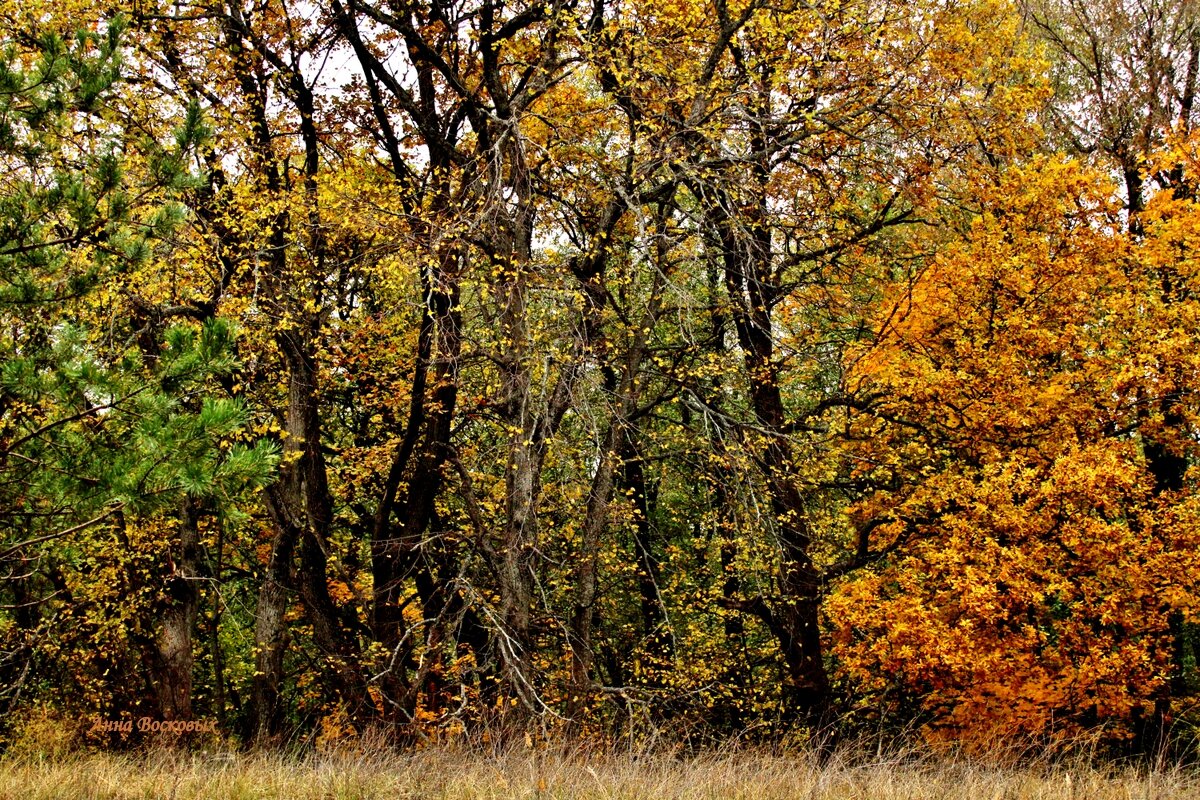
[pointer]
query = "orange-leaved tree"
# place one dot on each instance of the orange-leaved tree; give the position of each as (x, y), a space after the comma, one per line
(1040, 568)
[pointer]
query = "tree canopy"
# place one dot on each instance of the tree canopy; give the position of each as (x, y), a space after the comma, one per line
(617, 367)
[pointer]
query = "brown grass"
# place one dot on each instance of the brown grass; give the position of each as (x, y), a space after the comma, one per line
(520, 772)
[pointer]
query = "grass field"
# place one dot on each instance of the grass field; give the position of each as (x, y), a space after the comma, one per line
(466, 774)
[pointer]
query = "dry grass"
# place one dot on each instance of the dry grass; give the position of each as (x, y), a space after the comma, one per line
(474, 774)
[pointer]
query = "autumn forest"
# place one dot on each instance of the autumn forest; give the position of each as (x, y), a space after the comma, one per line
(686, 368)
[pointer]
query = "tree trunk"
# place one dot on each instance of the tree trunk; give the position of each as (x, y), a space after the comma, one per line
(595, 518)
(658, 636)
(746, 249)
(173, 668)
(270, 639)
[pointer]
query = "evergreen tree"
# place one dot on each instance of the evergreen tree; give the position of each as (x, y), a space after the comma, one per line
(102, 423)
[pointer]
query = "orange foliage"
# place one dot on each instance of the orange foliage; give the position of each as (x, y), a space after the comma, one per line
(1043, 569)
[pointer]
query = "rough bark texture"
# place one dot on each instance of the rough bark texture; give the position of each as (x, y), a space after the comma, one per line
(270, 640)
(173, 666)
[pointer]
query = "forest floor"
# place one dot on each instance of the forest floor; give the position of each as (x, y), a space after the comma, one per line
(458, 774)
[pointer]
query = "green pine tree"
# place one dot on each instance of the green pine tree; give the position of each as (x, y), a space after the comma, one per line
(92, 437)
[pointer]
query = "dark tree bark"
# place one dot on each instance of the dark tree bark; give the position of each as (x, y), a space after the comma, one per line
(172, 669)
(655, 628)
